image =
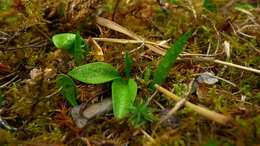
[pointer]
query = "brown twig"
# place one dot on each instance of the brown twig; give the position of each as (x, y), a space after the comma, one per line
(151, 139)
(219, 118)
(178, 105)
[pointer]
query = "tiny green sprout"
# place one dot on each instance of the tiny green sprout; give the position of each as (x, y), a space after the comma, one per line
(175, 2)
(244, 6)
(64, 41)
(140, 114)
(4, 5)
(73, 43)
(1, 99)
(123, 91)
(78, 52)
(128, 64)
(147, 74)
(211, 141)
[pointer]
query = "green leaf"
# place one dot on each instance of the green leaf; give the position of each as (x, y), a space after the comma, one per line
(77, 50)
(80, 49)
(72, 43)
(147, 74)
(84, 47)
(244, 6)
(60, 10)
(95, 73)
(123, 95)
(1, 99)
(4, 5)
(209, 4)
(132, 89)
(211, 141)
(68, 90)
(64, 41)
(170, 58)
(128, 64)
(174, 2)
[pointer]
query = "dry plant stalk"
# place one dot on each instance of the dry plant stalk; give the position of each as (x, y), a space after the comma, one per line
(114, 26)
(227, 64)
(155, 48)
(219, 118)
(126, 41)
(99, 56)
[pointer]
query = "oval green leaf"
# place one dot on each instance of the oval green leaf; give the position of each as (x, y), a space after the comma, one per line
(95, 73)
(64, 41)
(123, 96)
(68, 90)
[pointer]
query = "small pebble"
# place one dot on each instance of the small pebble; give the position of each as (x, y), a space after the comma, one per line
(82, 117)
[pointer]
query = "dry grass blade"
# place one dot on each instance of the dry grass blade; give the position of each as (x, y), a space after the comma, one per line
(148, 136)
(100, 53)
(126, 41)
(114, 26)
(227, 63)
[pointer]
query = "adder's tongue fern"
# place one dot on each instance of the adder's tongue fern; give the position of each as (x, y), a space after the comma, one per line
(73, 43)
(169, 59)
(100, 72)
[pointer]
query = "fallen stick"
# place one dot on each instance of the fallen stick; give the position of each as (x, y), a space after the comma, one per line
(219, 118)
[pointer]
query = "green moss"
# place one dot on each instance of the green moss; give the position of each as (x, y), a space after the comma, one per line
(45, 130)
(48, 119)
(180, 89)
(257, 125)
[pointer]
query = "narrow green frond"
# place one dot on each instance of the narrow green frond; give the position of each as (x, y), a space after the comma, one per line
(169, 59)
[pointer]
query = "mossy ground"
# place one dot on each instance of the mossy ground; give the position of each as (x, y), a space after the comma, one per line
(25, 31)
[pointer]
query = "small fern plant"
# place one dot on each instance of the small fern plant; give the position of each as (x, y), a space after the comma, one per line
(123, 91)
(73, 43)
